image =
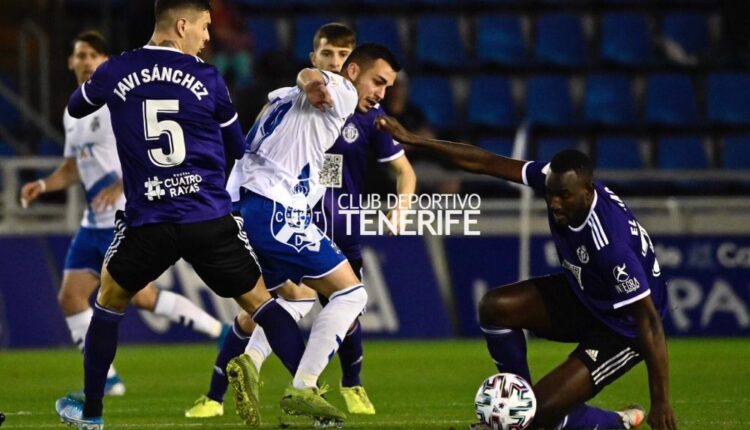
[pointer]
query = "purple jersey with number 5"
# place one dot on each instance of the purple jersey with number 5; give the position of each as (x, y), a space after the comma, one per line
(609, 259)
(168, 110)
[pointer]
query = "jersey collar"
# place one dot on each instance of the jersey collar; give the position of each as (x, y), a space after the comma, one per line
(591, 210)
(162, 48)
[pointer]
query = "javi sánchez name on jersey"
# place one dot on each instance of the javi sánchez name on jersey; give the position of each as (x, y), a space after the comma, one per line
(160, 74)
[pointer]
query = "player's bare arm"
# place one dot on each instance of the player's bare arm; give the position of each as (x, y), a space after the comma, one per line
(654, 347)
(64, 176)
(312, 82)
(466, 157)
(108, 196)
(406, 184)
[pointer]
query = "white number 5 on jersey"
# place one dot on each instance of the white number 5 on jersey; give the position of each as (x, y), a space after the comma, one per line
(153, 129)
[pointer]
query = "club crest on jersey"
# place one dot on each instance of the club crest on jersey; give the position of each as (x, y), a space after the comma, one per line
(583, 254)
(350, 133)
(95, 124)
(294, 225)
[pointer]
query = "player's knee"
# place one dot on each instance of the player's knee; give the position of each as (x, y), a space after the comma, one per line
(71, 300)
(245, 322)
(548, 413)
(492, 309)
(356, 296)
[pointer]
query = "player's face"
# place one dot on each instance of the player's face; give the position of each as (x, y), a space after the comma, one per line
(84, 60)
(371, 82)
(196, 32)
(329, 57)
(568, 197)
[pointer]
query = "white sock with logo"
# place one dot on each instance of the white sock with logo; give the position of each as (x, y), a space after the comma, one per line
(328, 331)
(186, 313)
(78, 325)
(258, 348)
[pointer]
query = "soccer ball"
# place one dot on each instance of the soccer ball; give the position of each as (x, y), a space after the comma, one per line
(505, 402)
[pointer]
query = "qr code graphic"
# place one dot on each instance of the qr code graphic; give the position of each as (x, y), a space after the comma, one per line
(330, 173)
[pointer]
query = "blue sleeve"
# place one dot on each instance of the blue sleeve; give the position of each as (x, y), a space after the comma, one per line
(624, 270)
(90, 96)
(534, 174)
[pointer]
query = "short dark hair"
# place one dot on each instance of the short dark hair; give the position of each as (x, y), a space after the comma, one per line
(572, 159)
(336, 33)
(93, 38)
(367, 53)
(161, 7)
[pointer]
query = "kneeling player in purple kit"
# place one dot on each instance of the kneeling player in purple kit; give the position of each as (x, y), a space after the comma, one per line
(174, 126)
(610, 299)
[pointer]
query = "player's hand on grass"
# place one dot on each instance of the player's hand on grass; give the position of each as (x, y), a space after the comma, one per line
(318, 95)
(661, 417)
(107, 197)
(31, 191)
(391, 125)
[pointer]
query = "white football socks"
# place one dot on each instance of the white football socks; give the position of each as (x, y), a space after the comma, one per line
(328, 331)
(258, 348)
(182, 311)
(78, 325)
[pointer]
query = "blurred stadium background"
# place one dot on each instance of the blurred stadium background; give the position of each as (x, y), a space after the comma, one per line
(656, 91)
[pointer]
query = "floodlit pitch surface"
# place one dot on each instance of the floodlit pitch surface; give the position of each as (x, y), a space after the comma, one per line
(413, 384)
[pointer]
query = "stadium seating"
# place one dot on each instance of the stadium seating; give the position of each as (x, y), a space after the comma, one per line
(548, 101)
(380, 29)
(671, 100)
(500, 40)
(609, 100)
(729, 98)
(688, 30)
(499, 145)
(736, 152)
(546, 148)
(626, 39)
(264, 35)
(560, 40)
(490, 102)
(682, 152)
(434, 96)
(438, 42)
(616, 152)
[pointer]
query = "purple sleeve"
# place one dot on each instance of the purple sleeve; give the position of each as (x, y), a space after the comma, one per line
(534, 174)
(90, 96)
(624, 271)
(224, 111)
(234, 142)
(384, 147)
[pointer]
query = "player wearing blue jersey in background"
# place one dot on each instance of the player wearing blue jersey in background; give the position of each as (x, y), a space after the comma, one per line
(174, 126)
(332, 44)
(91, 159)
(610, 299)
(276, 184)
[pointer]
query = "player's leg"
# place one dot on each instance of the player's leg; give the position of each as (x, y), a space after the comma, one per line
(351, 357)
(212, 404)
(298, 301)
(503, 314)
(80, 279)
(178, 309)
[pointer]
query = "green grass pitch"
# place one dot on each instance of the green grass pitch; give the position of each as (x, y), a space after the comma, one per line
(413, 384)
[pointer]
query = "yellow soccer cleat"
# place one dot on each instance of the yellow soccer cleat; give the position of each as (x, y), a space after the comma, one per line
(357, 401)
(205, 408)
(245, 382)
(310, 402)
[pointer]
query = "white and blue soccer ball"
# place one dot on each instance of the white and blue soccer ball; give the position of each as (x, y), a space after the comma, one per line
(505, 401)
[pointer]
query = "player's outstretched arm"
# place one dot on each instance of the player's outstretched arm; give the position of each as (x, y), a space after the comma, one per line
(654, 348)
(466, 157)
(107, 198)
(64, 176)
(312, 82)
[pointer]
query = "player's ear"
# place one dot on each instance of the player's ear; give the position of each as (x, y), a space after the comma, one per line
(352, 71)
(181, 27)
(70, 62)
(312, 59)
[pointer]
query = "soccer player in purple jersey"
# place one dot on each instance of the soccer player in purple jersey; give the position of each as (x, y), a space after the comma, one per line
(175, 125)
(332, 44)
(610, 299)
(91, 159)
